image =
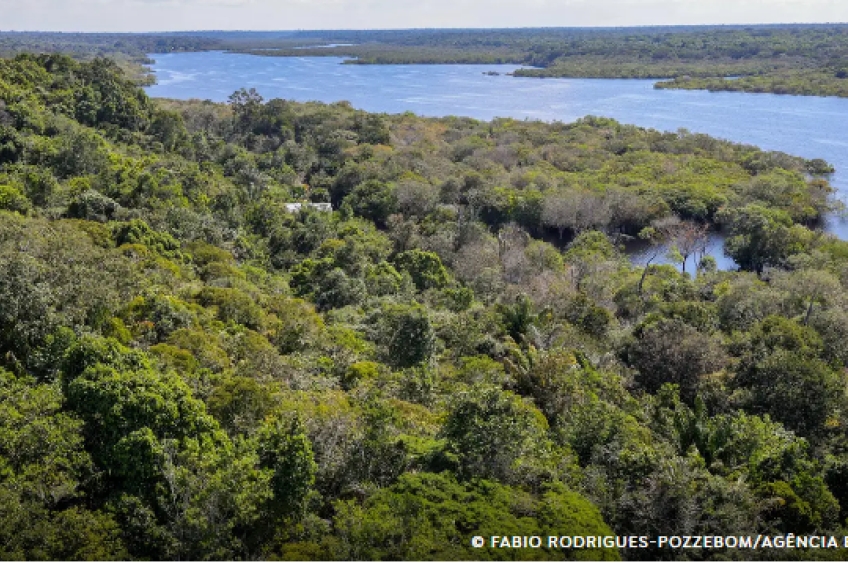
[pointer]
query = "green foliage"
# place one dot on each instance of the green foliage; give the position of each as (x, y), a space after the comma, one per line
(91, 205)
(194, 369)
(431, 516)
(121, 406)
(801, 392)
(51, 277)
(12, 199)
(285, 449)
(295, 326)
(361, 372)
(138, 232)
(761, 237)
(496, 435)
(240, 404)
(671, 351)
(425, 268)
(518, 317)
(373, 200)
(815, 82)
(405, 334)
(169, 129)
(330, 287)
(232, 305)
(74, 534)
(42, 455)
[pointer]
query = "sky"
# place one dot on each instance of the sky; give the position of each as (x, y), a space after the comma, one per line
(175, 15)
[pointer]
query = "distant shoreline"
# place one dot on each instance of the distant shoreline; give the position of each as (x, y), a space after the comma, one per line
(796, 59)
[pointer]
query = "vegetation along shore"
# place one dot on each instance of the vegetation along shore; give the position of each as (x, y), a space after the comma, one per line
(810, 60)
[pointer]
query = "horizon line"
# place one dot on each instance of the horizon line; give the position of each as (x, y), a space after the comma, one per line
(458, 28)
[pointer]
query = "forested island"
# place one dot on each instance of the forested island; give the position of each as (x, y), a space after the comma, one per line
(195, 368)
(809, 60)
(781, 59)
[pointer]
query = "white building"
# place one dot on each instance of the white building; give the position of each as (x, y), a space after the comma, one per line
(295, 207)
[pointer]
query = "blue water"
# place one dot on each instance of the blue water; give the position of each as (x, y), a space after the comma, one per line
(805, 126)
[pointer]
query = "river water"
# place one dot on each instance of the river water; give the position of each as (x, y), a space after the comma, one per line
(805, 126)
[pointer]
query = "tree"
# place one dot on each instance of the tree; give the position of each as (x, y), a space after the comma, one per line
(425, 268)
(801, 392)
(139, 232)
(372, 129)
(373, 200)
(576, 211)
(427, 516)
(232, 306)
(832, 326)
(29, 532)
(194, 370)
(813, 287)
(110, 97)
(246, 105)
(591, 256)
(689, 239)
(12, 199)
(171, 473)
(404, 333)
(81, 152)
(761, 237)
(284, 449)
(168, 127)
(91, 205)
(42, 455)
(240, 404)
(517, 317)
(52, 276)
(339, 290)
(671, 351)
(496, 435)
(657, 237)
(296, 325)
(328, 286)
(416, 199)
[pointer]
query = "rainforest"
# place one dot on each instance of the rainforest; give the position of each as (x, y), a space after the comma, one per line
(202, 359)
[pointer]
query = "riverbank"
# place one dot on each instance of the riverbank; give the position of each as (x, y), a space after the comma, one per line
(791, 59)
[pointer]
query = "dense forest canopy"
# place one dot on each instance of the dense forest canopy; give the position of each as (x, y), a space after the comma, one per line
(92, 44)
(130, 51)
(191, 370)
(783, 59)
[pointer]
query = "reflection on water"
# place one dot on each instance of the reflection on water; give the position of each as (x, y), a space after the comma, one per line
(805, 126)
(327, 46)
(640, 252)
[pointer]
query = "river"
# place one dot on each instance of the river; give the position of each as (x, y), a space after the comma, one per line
(805, 126)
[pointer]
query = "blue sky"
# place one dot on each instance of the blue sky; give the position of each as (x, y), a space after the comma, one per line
(163, 15)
